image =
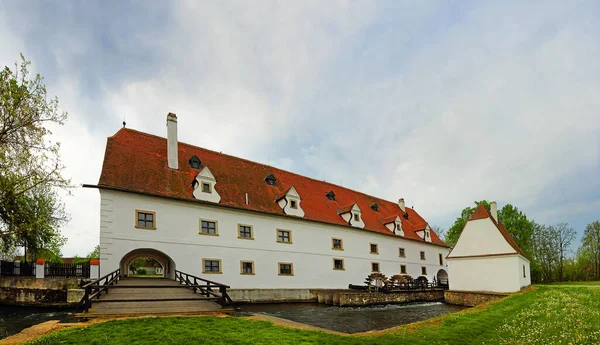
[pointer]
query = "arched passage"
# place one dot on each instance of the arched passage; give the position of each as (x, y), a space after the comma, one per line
(442, 277)
(163, 259)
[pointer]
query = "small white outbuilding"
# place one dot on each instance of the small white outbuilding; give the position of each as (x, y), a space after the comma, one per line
(486, 257)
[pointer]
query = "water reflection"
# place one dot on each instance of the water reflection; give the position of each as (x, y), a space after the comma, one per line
(13, 319)
(354, 319)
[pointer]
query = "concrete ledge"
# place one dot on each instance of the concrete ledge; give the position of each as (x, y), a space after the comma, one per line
(363, 298)
(272, 295)
(471, 298)
(37, 292)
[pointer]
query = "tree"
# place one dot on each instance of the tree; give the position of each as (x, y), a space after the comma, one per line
(518, 225)
(454, 231)
(545, 258)
(31, 212)
(564, 238)
(439, 231)
(591, 245)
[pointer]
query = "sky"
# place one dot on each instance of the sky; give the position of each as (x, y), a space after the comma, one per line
(439, 102)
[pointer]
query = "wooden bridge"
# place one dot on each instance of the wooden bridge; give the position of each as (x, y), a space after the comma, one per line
(113, 296)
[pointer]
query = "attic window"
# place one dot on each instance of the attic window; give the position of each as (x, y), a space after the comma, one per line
(270, 179)
(330, 195)
(375, 207)
(194, 162)
(405, 216)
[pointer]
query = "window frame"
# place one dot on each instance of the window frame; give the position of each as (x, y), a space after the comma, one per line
(208, 220)
(376, 252)
(356, 217)
(422, 255)
(401, 252)
(423, 270)
(285, 274)
(284, 230)
(378, 267)
(341, 243)
(524, 274)
(242, 262)
(294, 204)
(240, 232)
(441, 259)
(405, 271)
(137, 212)
(343, 264)
(211, 272)
(209, 187)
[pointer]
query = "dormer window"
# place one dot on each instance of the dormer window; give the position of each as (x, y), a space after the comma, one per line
(405, 216)
(271, 180)
(290, 202)
(356, 217)
(194, 162)
(375, 207)
(293, 204)
(206, 187)
(330, 195)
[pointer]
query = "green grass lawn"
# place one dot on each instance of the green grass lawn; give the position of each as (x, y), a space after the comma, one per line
(577, 283)
(546, 315)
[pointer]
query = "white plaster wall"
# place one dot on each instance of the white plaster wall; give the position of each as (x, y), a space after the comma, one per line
(481, 237)
(495, 273)
(177, 235)
(525, 281)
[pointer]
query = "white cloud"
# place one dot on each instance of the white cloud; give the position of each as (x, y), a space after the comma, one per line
(436, 104)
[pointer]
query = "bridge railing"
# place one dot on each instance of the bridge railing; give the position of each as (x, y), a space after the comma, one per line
(206, 287)
(95, 288)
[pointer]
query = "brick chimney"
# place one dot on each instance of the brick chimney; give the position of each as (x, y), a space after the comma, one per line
(172, 154)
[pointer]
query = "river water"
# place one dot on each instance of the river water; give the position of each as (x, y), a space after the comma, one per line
(354, 319)
(14, 319)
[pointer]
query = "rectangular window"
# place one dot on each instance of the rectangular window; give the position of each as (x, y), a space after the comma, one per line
(356, 217)
(247, 267)
(524, 276)
(374, 266)
(145, 220)
(374, 248)
(401, 252)
(211, 266)
(206, 187)
(422, 255)
(423, 270)
(245, 232)
(284, 236)
(338, 264)
(441, 259)
(286, 269)
(337, 244)
(208, 227)
(293, 204)
(402, 269)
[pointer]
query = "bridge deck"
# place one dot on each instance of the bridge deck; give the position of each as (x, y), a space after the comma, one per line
(162, 300)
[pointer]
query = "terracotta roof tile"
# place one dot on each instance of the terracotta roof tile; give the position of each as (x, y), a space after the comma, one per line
(137, 162)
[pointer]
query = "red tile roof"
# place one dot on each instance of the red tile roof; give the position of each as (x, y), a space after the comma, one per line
(137, 162)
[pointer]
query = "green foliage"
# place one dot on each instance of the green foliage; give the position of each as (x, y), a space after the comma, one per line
(546, 315)
(31, 211)
(590, 246)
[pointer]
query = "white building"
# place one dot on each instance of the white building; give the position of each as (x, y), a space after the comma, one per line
(249, 225)
(486, 257)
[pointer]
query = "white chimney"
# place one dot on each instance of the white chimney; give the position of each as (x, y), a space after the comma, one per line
(494, 210)
(401, 204)
(172, 154)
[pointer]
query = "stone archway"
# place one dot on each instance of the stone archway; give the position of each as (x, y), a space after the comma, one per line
(442, 277)
(163, 259)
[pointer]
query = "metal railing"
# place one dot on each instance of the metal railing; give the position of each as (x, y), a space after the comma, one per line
(24, 269)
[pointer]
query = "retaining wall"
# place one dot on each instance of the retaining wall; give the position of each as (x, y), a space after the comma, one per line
(40, 292)
(471, 298)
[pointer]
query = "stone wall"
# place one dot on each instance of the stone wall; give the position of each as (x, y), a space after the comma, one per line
(272, 295)
(353, 299)
(471, 298)
(38, 292)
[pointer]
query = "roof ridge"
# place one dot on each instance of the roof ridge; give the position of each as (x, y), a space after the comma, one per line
(254, 162)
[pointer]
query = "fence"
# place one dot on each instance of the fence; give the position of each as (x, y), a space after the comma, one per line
(67, 270)
(9, 268)
(27, 269)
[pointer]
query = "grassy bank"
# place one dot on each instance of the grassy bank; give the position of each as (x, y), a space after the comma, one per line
(546, 315)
